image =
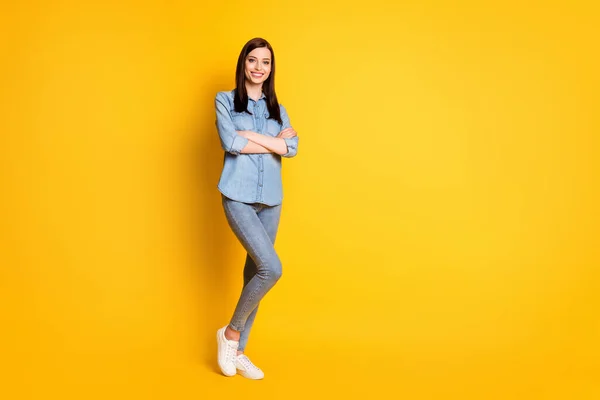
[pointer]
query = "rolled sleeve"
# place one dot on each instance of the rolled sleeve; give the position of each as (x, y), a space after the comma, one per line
(292, 143)
(231, 142)
(292, 146)
(238, 144)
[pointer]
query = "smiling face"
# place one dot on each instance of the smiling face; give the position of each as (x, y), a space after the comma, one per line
(258, 65)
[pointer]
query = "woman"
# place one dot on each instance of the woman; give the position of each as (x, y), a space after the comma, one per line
(255, 132)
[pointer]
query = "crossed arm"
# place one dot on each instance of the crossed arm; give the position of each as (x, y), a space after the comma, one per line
(261, 144)
(248, 142)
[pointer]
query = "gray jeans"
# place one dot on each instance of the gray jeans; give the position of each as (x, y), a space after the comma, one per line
(255, 226)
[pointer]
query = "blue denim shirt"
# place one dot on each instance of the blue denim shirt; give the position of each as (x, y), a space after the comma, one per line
(250, 178)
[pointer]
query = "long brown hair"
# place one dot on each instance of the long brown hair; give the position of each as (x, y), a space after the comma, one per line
(240, 100)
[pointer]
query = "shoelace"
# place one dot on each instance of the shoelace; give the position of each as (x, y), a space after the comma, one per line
(247, 363)
(230, 352)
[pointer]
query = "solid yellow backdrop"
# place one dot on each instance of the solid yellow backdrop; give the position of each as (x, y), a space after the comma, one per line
(440, 225)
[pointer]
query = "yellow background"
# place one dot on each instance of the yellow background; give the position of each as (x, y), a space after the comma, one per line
(439, 233)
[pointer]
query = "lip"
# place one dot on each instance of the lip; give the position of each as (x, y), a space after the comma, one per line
(257, 74)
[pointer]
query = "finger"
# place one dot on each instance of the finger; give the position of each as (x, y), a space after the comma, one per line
(287, 133)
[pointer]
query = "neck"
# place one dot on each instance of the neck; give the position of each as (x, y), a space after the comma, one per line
(254, 91)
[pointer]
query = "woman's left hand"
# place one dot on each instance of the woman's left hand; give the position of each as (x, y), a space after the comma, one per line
(287, 133)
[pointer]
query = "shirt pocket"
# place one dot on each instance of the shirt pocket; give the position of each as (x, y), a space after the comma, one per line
(273, 127)
(242, 121)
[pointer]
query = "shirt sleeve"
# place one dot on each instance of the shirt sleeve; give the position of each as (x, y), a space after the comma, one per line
(231, 142)
(292, 143)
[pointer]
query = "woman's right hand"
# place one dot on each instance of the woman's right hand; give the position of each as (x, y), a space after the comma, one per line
(287, 133)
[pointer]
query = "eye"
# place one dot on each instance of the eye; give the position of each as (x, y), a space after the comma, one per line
(267, 63)
(251, 60)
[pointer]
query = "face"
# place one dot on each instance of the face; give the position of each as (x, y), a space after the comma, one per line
(258, 65)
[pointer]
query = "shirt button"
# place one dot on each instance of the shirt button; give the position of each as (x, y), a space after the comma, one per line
(260, 184)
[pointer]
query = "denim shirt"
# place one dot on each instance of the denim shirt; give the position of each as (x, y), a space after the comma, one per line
(250, 178)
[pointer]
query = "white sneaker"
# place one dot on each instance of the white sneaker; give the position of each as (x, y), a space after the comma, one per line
(227, 350)
(247, 369)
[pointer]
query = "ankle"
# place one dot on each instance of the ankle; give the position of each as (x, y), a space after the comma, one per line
(231, 334)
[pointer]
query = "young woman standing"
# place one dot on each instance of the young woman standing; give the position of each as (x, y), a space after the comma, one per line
(255, 133)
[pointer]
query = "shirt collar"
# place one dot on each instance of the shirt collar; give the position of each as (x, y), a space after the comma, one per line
(262, 96)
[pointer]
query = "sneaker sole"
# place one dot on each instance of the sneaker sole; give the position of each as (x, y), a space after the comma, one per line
(243, 373)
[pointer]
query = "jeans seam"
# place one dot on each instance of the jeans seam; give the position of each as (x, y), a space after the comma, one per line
(251, 297)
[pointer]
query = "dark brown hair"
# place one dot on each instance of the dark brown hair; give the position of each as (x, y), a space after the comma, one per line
(240, 100)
